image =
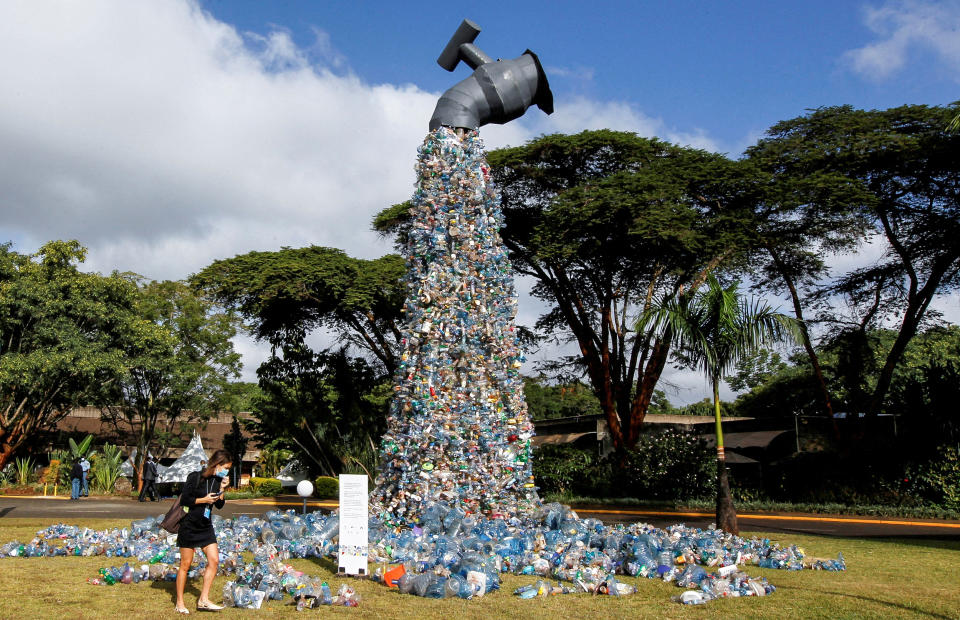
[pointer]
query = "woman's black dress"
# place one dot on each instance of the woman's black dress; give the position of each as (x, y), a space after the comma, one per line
(196, 529)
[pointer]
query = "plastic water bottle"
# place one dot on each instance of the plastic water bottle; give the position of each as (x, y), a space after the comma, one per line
(664, 563)
(228, 594)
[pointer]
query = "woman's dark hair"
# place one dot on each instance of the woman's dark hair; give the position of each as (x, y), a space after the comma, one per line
(219, 458)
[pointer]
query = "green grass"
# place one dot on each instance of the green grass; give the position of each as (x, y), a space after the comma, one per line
(886, 578)
(708, 505)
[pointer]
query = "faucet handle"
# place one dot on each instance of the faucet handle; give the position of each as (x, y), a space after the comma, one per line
(461, 47)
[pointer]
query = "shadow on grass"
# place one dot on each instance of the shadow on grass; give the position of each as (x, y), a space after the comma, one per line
(325, 563)
(868, 599)
(170, 587)
(918, 539)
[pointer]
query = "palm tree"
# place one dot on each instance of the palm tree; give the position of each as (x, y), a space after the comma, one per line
(713, 330)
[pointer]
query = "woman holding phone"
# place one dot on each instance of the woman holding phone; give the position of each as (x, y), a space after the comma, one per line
(201, 492)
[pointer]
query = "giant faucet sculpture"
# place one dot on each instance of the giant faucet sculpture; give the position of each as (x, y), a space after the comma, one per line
(458, 440)
(497, 92)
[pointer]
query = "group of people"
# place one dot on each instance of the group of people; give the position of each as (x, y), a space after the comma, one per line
(79, 485)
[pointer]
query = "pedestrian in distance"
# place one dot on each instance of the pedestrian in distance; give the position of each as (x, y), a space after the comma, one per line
(202, 491)
(85, 466)
(149, 486)
(76, 473)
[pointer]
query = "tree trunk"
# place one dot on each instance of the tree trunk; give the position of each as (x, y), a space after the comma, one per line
(6, 453)
(807, 345)
(646, 384)
(908, 329)
(726, 513)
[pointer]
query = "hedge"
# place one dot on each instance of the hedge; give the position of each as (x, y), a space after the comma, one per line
(266, 486)
(326, 487)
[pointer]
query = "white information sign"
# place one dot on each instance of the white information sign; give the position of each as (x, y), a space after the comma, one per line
(353, 524)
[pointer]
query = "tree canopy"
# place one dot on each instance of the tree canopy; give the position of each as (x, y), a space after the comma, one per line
(62, 333)
(899, 171)
(178, 378)
(603, 221)
(287, 293)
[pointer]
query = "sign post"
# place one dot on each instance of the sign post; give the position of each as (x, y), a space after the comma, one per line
(353, 525)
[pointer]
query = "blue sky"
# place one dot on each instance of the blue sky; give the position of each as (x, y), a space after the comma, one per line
(166, 134)
(727, 69)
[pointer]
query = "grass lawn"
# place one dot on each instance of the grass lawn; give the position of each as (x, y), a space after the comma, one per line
(885, 578)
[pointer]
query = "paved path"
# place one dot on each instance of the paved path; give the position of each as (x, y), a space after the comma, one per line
(61, 509)
(824, 525)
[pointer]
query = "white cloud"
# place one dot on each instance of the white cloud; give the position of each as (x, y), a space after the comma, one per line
(576, 114)
(164, 139)
(902, 27)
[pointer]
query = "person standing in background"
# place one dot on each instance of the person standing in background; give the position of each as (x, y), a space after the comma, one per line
(85, 466)
(149, 480)
(76, 473)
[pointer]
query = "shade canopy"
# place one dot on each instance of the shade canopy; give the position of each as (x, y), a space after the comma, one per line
(188, 462)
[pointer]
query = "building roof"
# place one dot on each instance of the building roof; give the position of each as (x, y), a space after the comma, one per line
(87, 420)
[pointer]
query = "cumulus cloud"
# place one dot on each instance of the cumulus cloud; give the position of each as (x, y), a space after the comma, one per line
(164, 139)
(904, 27)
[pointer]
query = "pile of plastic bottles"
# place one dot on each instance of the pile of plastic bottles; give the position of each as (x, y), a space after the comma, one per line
(272, 579)
(583, 553)
(609, 586)
(458, 429)
(447, 554)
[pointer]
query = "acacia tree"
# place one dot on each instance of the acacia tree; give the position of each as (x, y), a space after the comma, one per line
(899, 169)
(327, 406)
(177, 379)
(286, 294)
(793, 235)
(713, 330)
(603, 221)
(61, 335)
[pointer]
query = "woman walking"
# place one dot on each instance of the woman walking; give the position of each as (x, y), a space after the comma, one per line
(201, 492)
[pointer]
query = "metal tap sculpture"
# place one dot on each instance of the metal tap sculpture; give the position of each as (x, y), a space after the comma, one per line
(497, 92)
(459, 435)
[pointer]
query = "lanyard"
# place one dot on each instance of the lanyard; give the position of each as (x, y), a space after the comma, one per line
(208, 509)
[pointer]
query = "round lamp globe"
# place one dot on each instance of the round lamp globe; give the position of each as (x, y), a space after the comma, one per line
(305, 488)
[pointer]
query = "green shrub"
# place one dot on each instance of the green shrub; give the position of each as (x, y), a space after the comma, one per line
(326, 487)
(105, 469)
(266, 486)
(561, 469)
(665, 464)
(25, 471)
(935, 482)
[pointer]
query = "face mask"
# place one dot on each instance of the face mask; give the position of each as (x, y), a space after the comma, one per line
(222, 473)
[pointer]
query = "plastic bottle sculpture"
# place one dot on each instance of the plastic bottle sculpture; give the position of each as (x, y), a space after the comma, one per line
(459, 430)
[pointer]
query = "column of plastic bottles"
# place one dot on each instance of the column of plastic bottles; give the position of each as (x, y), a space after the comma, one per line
(458, 429)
